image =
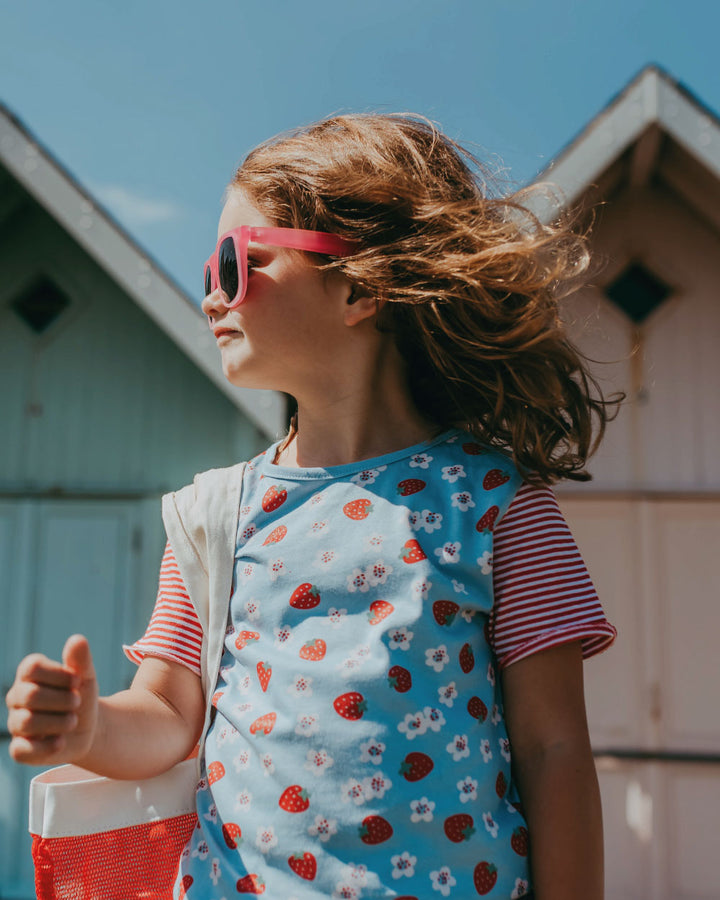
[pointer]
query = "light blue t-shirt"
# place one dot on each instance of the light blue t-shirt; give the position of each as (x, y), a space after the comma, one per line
(358, 748)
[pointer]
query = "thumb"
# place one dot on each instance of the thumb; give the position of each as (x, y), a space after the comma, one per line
(77, 656)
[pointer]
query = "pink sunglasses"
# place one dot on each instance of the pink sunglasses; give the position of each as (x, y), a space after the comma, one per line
(228, 266)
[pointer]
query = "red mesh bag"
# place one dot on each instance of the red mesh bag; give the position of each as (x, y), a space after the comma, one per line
(100, 839)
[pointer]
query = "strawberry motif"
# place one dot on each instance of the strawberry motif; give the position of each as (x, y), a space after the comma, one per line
(484, 876)
(500, 785)
(477, 709)
(400, 679)
(273, 498)
(232, 834)
(472, 449)
(313, 650)
(466, 658)
(379, 610)
(494, 478)
(519, 840)
(375, 830)
(459, 828)
(215, 771)
(294, 799)
(351, 705)
(244, 638)
(358, 509)
(445, 611)
(264, 724)
(264, 671)
(304, 865)
(410, 486)
(275, 536)
(187, 881)
(412, 552)
(305, 596)
(216, 698)
(487, 522)
(250, 884)
(416, 766)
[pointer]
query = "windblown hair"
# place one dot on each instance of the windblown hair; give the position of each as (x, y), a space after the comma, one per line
(468, 281)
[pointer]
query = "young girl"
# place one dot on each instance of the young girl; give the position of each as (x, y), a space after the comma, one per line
(396, 698)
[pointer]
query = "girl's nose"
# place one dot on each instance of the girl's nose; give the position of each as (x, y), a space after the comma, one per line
(212, 305)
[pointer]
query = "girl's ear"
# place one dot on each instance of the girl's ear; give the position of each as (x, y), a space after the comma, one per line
(360, 304)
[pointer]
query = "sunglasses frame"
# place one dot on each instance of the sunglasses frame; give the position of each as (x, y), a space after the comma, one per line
(294, 238)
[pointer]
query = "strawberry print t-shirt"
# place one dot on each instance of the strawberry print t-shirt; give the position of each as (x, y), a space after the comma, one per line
(358, 748)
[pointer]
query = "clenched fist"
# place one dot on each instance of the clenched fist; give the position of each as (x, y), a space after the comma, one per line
(53, 706)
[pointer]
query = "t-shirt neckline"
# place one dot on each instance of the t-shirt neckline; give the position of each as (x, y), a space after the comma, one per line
(290, 473)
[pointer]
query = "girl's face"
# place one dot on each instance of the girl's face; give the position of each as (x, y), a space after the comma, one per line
(290, 323)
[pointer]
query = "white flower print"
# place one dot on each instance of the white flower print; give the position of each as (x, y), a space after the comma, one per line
(283, 635)
(400, 637)
(420, 461)
(434, 718)
(495, 716)
(485, 562)
(247, 571)
(485, 750)
(468, 614)
(376, 786)
(415, 520)
(252, 610)
(459, 747)
(241, 761)
(215, 871)
(323, 828)
(318, 761)
(317, 528)
(357, 581)
(413, 724)
(422, 810)
(404, 864)
(467, 788)
(372, 751)
(504, 748)
(202, 785)
(437, 657)
(243, 685)
(353, 791)
(491, 825)
(242, 709)
(348, 666)
(202, 851)
(243, 801)
(443, 880)
(368, 476)
(421, 587)
(430, 521)
(307, 725)
(462, 500)
(377, 573)
(266, 839)
(228, 734)
(374, 542)
(336, 616)
(301, 686)
(267, 764)
(276, 568)
(317, 498)
(326, 558)
(245, 510)
(520, 889)
(449, 553)
(355, 875)
(491, 674)
(447, 694)
(458, 587)
(248, 531)
(452, 473)
(345, 891)
(211, 814)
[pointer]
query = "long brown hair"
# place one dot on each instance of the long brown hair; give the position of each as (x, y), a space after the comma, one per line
(466, 279)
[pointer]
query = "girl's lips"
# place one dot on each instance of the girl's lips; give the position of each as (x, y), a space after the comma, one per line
(226, 332)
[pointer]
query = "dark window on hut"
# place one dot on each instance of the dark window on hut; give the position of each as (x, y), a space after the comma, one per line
(40, 305)
(637, 291)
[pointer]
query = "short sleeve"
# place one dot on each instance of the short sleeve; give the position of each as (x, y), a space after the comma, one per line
(544, 596)
(174, 631)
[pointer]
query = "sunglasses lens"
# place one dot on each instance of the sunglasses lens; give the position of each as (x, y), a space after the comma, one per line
(228, 269)
(208, 281)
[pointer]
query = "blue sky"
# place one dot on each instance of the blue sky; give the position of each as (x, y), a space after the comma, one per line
(150, 104)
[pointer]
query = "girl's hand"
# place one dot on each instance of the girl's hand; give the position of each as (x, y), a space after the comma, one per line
(54, 706)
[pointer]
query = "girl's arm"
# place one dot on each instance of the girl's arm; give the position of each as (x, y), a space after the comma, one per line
(555, 772)
(55, 715)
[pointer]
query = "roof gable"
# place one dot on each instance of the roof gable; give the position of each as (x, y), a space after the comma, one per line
(124, 260)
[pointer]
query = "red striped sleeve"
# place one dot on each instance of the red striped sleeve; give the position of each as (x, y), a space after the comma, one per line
(174, 631)
(543, 593)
